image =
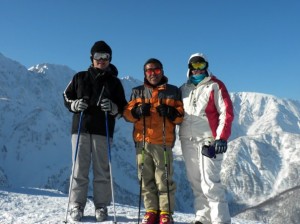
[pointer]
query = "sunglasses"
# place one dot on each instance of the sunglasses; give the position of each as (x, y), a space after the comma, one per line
(198, 65)
(209, 151)
(101, 56)
(155, 71)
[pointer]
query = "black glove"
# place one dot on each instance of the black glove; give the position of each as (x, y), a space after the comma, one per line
(220, 146)
(79, 105)
(209, 151)
(141, 110)
(108, 106)
(168, 111)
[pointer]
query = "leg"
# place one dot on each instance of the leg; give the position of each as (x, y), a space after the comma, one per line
(160, 177)
(81, 170)
(214, 190)
(101, 182)
(149, 188)
(192, 154)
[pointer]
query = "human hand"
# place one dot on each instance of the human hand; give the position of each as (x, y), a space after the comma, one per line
(79, 105)
(220, 146)
(141, 110)
(108, 106)
(168, 111)
(209, 151)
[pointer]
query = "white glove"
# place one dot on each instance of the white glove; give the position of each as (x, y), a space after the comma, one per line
(108, 106)
(79, 105)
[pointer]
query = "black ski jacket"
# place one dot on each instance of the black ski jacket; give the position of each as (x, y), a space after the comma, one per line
(88, 85)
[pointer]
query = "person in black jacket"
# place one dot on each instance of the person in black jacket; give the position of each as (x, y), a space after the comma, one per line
(93, 93)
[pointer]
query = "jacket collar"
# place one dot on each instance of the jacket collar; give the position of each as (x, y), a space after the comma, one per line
(160, 85)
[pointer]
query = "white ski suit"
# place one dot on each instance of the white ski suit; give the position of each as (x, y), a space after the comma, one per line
(208, 117)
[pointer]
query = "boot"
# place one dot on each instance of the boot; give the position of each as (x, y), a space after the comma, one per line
(165, 218)
(76, 213)
(150, 217)
(101, 214)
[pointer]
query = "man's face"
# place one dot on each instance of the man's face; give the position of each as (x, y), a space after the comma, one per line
(153, 73)
(101, 60)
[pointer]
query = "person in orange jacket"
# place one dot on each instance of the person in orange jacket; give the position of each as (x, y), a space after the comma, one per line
(155, 108)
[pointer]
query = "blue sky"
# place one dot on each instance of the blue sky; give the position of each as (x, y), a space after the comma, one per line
(252, 46)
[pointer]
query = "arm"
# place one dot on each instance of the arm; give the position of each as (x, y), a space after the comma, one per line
(225, 109)
(134, 101)
(69, 95)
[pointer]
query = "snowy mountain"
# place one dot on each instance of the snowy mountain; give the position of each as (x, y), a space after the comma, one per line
(261, 168)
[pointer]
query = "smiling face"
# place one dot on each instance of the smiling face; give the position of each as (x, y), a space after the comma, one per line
(153, 73)
(101, 60)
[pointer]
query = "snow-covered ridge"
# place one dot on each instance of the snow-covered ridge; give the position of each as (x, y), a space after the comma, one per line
(262, 161)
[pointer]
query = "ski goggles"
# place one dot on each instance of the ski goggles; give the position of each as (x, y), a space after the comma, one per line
(155, 71)
(209, 151)
(198, 65)
(101, 56)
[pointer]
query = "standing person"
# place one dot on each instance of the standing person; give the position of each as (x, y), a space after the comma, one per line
(155, 108)
(203, 133)
(82, 96)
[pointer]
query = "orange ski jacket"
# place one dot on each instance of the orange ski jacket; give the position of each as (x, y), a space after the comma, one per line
(162, 94)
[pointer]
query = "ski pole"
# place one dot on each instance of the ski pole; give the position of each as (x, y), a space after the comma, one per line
(74, 162)
(166, 161)
(142, 168)
(109, 155)
(100, 96)
(110, 169)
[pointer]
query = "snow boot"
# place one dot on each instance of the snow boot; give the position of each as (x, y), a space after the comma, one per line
(151, 217)
(76, 213)
(101, 214)
(165, 218)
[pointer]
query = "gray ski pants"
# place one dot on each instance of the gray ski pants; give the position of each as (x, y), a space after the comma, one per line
(91, 149)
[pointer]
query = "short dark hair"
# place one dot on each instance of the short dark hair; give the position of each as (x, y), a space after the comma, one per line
(154, 61)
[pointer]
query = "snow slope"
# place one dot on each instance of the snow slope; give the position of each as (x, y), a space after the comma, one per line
(40, 206)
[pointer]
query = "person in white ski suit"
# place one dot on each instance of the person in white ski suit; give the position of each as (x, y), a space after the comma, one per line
(203, 133)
